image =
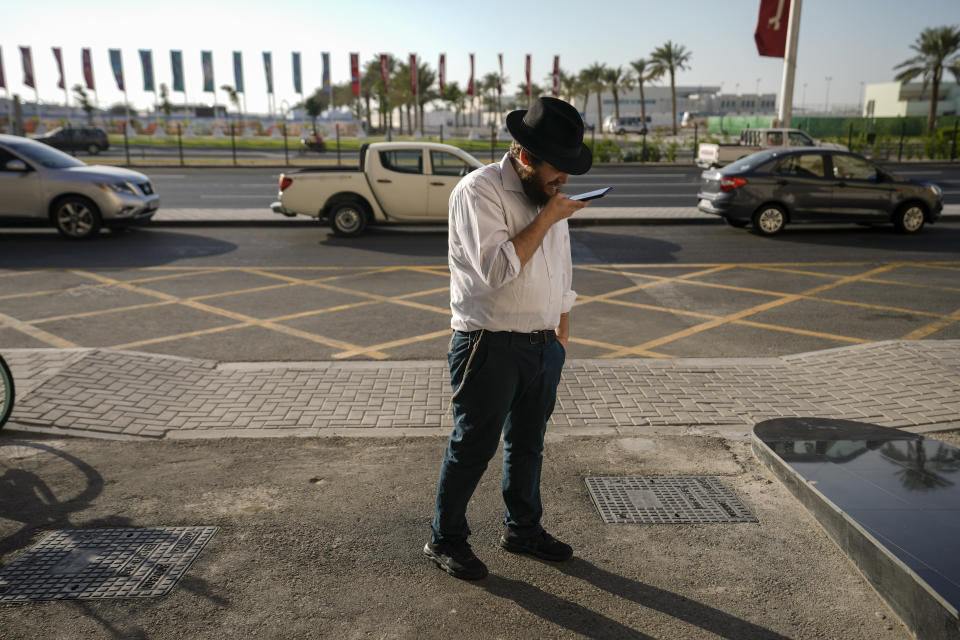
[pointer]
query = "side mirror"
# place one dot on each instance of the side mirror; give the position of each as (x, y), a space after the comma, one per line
(17, 165)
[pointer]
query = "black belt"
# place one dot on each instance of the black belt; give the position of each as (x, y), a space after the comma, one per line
(543, 336)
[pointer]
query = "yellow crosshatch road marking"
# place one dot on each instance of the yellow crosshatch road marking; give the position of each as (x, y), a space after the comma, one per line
(744, 313)
(351, 281)
(35, 333)
(933, 327)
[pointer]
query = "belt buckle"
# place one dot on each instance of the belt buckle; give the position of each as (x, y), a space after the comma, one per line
(538, 337)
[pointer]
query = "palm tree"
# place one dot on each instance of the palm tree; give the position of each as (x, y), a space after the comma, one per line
(521, 95)
(592, 79)
(81, 96)
(671, 57)
(644, 72)
(616, 80)
(400, 93)
(934, 46)
(456, 98)
(426, 77)
(368, 87)
(234, 96)
(374, 81)
(490, 82)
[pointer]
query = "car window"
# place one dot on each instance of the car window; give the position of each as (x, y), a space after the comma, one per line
(447, 164)
(402, 160)
(807, 165)
(44, 155)
(750, 163)
(774, 138)
(5, 157)
(853, 168)
(798, 139)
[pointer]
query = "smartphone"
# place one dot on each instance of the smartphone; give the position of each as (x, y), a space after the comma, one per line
(591, 195)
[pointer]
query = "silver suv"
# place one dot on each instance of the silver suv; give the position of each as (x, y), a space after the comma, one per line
(41, 184)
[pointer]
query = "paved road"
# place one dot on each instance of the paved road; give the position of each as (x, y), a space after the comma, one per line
(280, 293)
(671, 186)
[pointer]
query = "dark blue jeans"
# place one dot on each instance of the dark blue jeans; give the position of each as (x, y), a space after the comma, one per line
(510, 388)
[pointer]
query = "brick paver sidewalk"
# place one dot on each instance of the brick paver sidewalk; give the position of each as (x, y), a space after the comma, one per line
(131, 394)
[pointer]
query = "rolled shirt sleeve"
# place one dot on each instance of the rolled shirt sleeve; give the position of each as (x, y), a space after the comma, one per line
(486, 243)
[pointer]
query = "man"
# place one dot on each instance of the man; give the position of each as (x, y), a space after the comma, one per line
(510, 278)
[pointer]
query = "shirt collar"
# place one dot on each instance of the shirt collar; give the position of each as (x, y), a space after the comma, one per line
(511, 181)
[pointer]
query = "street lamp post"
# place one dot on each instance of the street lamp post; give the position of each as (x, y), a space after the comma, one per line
(803, 99)
(826, 100)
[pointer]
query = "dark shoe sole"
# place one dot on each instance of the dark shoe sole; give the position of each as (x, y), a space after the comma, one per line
(519, 548)
(462, 575)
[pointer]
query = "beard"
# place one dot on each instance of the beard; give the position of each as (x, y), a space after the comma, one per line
(534, 185)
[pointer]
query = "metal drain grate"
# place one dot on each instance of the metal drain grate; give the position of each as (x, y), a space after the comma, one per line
(666, 500)
(81, 564)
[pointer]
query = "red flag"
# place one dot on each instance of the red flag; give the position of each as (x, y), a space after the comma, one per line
(470, 85)
(771, 33)
(28, 78)
(413, 74)
(355, 73)
(556, 76)
(528, 75)
(385, 72)
(443, 71)
(59, 56)
(88, 70)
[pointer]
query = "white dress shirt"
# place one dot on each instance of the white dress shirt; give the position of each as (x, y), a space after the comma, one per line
(488, 288)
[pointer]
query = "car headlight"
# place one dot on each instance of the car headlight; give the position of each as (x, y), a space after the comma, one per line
(117, 187)
(936, 190)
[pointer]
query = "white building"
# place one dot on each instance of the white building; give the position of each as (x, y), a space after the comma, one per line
(696, 100)
(892, 99)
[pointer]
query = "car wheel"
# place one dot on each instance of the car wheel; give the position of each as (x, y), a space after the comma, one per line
(736, 224)
(93, 149)
(76, 217)
(909, 218)
(621, 132)
(769, 220)
(348, 218)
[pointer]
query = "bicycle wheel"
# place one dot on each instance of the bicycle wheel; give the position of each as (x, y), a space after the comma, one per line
(6, 392)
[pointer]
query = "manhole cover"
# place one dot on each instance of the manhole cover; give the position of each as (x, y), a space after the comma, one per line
(103, 563)
(666, 500)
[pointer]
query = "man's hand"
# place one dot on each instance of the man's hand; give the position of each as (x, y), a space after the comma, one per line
(558, 208)
(563, 330)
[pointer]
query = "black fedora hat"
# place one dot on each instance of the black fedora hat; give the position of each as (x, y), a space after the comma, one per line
(552, 130)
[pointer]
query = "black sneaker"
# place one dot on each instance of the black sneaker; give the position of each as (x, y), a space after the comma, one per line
(542, 545)
(456, 559)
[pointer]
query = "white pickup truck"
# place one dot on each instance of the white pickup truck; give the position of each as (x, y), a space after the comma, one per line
(710, 155)
(396, 182)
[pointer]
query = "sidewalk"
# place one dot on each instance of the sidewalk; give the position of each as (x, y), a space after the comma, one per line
(105, 393)
(591, 215)
(320, 534)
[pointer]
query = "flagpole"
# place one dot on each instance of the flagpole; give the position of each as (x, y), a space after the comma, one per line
(789, 65)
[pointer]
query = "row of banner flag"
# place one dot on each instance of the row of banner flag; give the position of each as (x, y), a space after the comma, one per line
(206, 58)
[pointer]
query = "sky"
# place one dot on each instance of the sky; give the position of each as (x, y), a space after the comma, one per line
(850, 41)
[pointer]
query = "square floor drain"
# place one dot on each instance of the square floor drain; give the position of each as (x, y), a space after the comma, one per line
(666, 500)
(82, 564)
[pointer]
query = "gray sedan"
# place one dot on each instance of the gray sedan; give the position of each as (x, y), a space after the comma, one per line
(41, 184)
(772, 188)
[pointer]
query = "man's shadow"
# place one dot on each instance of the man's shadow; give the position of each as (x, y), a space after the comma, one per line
(579, 619)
